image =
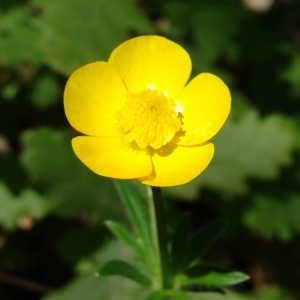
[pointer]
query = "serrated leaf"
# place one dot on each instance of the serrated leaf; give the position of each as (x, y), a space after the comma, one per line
(249, 147)
(203, 239)
(212, 276)
(122, 268)
(93, 30)
(14, 207)
(121, 232)
(89, 287)
(70, 186)
(274, 218)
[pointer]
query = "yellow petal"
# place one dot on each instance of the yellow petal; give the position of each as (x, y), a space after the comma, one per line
(152, 62)
(206, 104)
(93, 95)
(179, 164)
(112, 157)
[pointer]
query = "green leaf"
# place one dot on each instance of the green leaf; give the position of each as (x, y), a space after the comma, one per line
(46, 91)
(65, 46)
(122, 268)
(10, 90)
(168, 295)
(93, 30)
(18, 37)
(87, 286)
(213, 41)
(249, 147)
(228, 295)
(28, 204)
(292, 74)
(203, 239)
(219, 38)
(134, 197)
(266, 293)
(179, 295)
(180, 242)
(274, 218)
(200, 288)
(159, 295)
(272, 293)
(210, 275)
(135, 204)
(69, 185)
(120, 231)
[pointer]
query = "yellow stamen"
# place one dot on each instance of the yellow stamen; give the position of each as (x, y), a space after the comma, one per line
(149, 118)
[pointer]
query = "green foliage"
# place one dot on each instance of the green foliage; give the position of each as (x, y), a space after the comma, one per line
(16, 30)
(46, 91)
(215, 40)
(273, 218)
(247, 147)
(121, 232)
(180, 243)
(264, 294)
(202, 240)
(70, 187)
(122, 268)
(93, 30)
(292, 74)
(134, 197)
(88, 286)
(166, 294)
(186, 249)
(177, 274)
(46, 29)
(210, 276)
(28, 204)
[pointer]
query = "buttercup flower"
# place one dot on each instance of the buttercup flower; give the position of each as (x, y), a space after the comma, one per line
(140, 118)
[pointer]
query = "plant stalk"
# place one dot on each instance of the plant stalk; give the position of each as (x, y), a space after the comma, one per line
(159, 232)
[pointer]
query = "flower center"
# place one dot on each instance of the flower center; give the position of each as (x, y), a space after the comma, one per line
(149, 118)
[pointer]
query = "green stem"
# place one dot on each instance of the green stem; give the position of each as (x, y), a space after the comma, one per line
(159, 232)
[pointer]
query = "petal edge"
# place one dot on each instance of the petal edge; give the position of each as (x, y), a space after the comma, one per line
(152, 62)
(206, 105)
(111, 157)
(179, 165)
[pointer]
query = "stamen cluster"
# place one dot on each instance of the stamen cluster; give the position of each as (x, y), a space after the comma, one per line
(149, 118)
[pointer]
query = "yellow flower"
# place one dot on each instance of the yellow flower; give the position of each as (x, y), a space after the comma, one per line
(140, 119)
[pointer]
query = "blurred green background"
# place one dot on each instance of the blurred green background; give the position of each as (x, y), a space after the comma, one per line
(52, 208)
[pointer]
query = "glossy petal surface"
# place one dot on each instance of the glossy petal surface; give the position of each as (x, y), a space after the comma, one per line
(112, 157)
(152, 61)
(93, 95)
(206, 104)
(179, 164)
(141, 119)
